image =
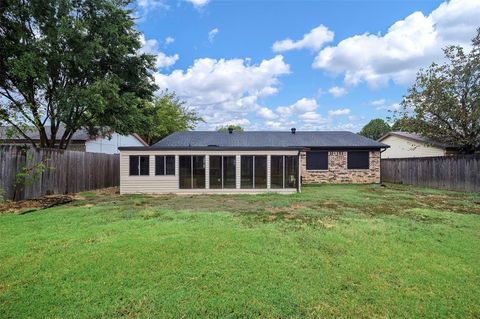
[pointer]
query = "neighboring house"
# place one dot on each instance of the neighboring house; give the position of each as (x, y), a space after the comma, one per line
(403, 145)
(248, 162)
(80, 140)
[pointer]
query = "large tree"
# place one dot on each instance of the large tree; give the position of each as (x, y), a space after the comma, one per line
(444, 102)
(233, 127)
(375, 129)
(72, 63)
(167, 114)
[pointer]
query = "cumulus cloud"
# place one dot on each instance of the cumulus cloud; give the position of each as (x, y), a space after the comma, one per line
(313, 40)
(409, 44)
(169, 40)
(339, 112)
(337, 91)
(301, 106)
(212, 34)
(225, 90)
(378, 102)
(266, 113)
(151, 46)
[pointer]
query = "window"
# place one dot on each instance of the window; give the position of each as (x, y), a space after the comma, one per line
(284, 172)
(253, 172)
(165, 165)
(222, 172)
(138, 165)
(317, 160)
(358, 160)
(192, 172)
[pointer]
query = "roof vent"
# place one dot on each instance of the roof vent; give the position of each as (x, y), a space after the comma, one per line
(293, 130)
(230, 130)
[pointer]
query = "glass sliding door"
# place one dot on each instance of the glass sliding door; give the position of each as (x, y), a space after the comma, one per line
(215, 172)
(276, 172)
(260, 171)
(229, 172)
(185, 171)
(192, 172)
(291, 171)
(246, 172)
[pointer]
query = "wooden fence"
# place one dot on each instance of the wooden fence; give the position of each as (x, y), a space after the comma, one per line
(461, 173)
(64, 172)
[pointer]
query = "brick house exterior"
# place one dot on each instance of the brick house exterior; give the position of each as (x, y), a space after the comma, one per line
(338, 171)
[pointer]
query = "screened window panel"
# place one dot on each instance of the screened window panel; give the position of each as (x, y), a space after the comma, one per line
(276, 172)
(317, 160)
(358, 160)
(198, 175)
(260, 172)
(133, 165)
(229, 172)
(159, 165)
(185, 171)
(246, 172)
(169, 165)
(144, 165)
(215, 172)
(291, 171)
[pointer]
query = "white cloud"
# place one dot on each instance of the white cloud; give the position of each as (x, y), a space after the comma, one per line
(378, 102)
(225, 90)
(301, 106)
(151, 46)
(391, 107)
(337, 91)
(266, 113)
(147, 5)
(310, 117)
(339, 112)
(212, 34)
(313, 40)
(408, 45)
(169, 40)
(198, 3)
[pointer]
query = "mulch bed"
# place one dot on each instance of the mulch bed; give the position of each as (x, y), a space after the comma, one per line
(31, 205)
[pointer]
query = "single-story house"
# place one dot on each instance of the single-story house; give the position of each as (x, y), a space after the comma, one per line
(406, 145)
(248, 162)
(80, 141)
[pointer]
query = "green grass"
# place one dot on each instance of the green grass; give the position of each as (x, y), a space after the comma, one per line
(331, 251)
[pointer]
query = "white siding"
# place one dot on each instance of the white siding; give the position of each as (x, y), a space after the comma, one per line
(110, 146)
(170, 184)
(402, 147)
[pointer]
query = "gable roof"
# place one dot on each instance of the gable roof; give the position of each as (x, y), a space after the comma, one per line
(267, 140)
(416, 138)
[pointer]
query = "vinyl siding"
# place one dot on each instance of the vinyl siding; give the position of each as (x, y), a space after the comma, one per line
(170, 184)
(401, 147)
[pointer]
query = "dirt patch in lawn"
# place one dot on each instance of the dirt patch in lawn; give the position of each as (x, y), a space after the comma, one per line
(31, 205)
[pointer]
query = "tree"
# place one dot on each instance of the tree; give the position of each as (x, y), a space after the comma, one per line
(72, 63)
(168, 114)
(235, 128)
(402, 124)
(444, 102)
(375, 129)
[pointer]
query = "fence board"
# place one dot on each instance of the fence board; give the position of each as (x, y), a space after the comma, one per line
(461, 173)
(66, 171)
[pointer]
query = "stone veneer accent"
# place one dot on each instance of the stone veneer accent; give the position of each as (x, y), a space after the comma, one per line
(338, 172)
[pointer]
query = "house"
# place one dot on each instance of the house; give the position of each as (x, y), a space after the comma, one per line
(405, 145)
(248, 162)
(80, 141)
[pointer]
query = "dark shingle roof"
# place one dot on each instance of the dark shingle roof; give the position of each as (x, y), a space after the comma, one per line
(266, 139)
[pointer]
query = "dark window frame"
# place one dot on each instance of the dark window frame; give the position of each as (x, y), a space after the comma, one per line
(354, 160)
(222, 171)
(253, 176)
(166, 171)
(139, 165)
(318, 167)
(284, 172)
(192, 171)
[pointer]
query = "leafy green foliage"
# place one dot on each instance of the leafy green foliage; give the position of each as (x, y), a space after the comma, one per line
(375, 129)
(28, 175)
(403, 124)
(235, 128)
(166, 115)
(444, 102)
(348, 251)
(72, 63)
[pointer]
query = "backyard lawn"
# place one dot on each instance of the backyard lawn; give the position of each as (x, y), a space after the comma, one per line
(331, 251)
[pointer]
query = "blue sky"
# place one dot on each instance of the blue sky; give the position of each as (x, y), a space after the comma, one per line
(313, 65)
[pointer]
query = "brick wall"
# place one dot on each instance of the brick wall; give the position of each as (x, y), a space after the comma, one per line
(338, 172)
